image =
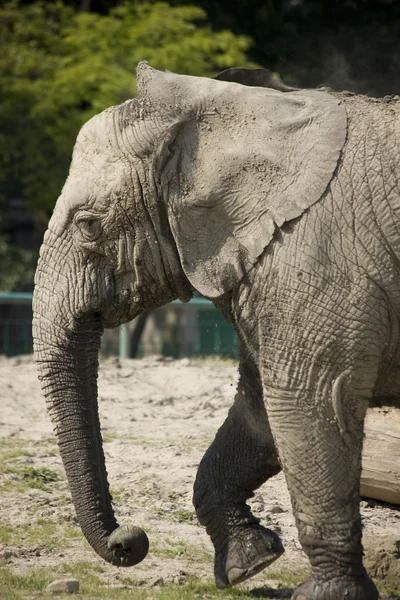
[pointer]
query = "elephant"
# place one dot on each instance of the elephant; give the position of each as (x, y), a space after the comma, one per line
(282, 207)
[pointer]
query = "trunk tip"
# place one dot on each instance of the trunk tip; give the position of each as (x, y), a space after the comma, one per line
(129, 546)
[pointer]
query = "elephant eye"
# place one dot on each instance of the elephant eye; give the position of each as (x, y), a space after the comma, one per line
(89, 226)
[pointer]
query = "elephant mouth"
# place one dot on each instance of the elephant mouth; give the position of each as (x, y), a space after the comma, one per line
(124, 307)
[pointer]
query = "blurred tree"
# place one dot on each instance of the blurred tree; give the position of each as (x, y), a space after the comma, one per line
(102, 7)
(17, 266)
(59, 67)
(353, 44)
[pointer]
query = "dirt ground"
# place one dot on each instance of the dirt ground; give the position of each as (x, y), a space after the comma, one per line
(158, 416)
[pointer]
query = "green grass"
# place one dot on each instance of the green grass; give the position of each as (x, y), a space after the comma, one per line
(387, 591)
(22, 477)
(39, 478)
(41, 534)
(183, 515)
(15, 453)
(28, 477)
(171, 548)
(6, 534)
(16, 586)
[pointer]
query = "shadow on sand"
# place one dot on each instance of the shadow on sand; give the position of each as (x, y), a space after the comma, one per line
(267, 592)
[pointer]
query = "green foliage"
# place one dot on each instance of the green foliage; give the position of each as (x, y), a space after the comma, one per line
(30, 46)
(38, 478)
(59, 67)
(350, 44)
(17, 265)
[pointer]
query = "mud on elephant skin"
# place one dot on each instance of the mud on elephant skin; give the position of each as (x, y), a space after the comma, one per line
(282, 207)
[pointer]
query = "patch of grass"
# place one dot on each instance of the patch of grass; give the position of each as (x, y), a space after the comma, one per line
(43, 534)
(178, 515)
(6, 533)
(287, 577)
(170, 548)
(81, 568)
(108, 437)
(38, 478)
(72, 533)
(53, 452)
(23, 477)
(16, 586)
(15, 453)
(13, 486)
(13, 585)
(184, 515)
(387, 591)
(11, 443)
(117, 493)
(11, 454)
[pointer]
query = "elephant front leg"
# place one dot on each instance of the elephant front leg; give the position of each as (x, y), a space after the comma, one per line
(239, 460)
(318, 428)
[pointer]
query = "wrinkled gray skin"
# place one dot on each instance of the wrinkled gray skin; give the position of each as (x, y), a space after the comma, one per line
(156, 205)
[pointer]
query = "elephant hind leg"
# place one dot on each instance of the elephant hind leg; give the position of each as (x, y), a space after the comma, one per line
(240, 459)
(319, 431)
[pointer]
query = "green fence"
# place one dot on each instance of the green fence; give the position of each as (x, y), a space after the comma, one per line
(15, 323)
(15, 336)
(213, 336)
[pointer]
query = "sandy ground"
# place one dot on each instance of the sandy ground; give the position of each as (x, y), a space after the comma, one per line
(158, 417)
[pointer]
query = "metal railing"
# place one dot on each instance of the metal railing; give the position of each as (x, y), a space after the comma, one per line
(213, 334)
(16, 330)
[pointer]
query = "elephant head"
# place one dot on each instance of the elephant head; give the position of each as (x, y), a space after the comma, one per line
(180, 188)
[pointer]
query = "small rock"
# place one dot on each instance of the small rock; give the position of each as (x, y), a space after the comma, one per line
(62, 586)
(369, 503)
(156, 581)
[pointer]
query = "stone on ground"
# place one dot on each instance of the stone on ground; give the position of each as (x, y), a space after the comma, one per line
(62, 586)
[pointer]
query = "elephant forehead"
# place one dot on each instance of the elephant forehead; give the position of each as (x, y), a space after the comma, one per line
(89, 186)
(99, 131)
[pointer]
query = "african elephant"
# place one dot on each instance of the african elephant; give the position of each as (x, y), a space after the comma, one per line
(283, 208)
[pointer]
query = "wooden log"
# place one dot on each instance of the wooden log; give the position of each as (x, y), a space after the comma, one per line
(380, 478)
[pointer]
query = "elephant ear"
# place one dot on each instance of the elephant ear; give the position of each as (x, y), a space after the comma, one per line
(244, 161)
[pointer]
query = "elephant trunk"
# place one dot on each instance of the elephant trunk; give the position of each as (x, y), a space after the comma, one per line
(67, 360)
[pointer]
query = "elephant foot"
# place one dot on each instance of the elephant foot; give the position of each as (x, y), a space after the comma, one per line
(249, 550)
(360, 588)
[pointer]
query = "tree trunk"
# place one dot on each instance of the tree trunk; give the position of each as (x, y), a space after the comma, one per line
(85, 5)
(137, 333)
(380, 478)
